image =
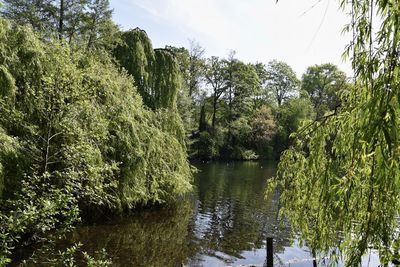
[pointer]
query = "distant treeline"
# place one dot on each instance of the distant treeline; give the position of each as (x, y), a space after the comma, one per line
(230, 109)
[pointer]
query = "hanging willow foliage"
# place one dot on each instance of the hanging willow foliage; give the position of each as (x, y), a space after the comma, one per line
(75, 137)
(7, 85)
(80, 121)
(136, 55)
(167, 79)
(340, 181)
(156, 72)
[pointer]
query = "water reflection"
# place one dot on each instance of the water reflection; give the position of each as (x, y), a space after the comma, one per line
(232, 216)
(149, 238)
(224, 222)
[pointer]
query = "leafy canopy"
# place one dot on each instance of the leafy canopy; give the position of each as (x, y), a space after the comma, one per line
(342, 173)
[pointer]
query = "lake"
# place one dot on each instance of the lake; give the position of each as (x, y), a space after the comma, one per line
(224, 222)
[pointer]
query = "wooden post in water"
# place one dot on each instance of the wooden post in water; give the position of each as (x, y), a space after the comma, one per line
(270, 252)
(314, 258)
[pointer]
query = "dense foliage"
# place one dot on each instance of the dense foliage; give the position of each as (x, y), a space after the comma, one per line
(230, 109)
(250, 111)
(322, 83)
(76, 136)
(342, 173)
(84, 24)
(136, 55)
(94, 119)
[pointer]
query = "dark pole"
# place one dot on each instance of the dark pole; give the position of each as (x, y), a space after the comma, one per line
(314, 258)
(270, 252)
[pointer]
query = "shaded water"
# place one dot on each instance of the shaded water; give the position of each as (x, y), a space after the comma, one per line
(225, 222)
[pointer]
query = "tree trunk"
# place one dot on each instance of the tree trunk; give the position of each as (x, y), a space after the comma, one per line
(61, 20)
(191, 77)
(202, 121)
(214, 111)
(230, 109)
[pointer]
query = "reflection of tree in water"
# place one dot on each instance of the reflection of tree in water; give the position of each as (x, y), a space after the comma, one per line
(148, 238)
(231, 196)
(227, 216)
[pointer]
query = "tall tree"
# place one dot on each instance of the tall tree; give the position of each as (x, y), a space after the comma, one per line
(231, 66)
(322, 83)
(99, 27)
(74, 20)
(157, 73)
(191, 65)
(262, 96)
(242, 84)
(84, 23)
(61, 20)
(246, 85)
(136, 55)
(166, 80)
(196, 67)
(281, 81)
(40, 14)
(215, 76)
(185, 103)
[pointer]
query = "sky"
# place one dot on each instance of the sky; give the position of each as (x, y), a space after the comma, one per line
(299, 32)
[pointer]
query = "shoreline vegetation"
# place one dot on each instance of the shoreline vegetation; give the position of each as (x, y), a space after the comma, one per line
(94, 118)
(76, 138)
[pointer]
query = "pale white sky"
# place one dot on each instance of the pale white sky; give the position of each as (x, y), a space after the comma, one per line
(258, 30)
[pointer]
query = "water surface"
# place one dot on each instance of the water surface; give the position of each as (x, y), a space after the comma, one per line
(225, 222)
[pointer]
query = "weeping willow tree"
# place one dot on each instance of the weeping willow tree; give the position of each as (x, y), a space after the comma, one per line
(136, 55)
(80, 119)
(7, 87)
(75, 136)
(340, 180)
(156, 72)
(157, 76)
(167, 79)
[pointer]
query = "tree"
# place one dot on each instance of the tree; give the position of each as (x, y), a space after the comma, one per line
(245, 85)
(82, 23)
(263, 130)
(99, 29)
(136, 55)
(166, 80)
(290, 116)
(262, 96)
(322, 83)
(231, 67)
(76, 137)
(215, 76)
(242, 84)
(196, 67)
(281, 81)
(41, 15)
(342, 172)
(157, 73)
(71, 20)
(185, 103)
(191, 66)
